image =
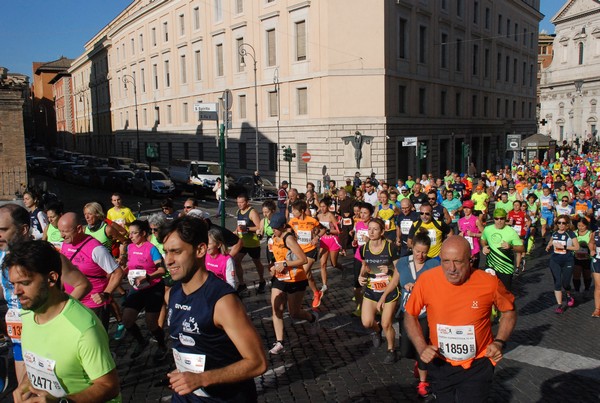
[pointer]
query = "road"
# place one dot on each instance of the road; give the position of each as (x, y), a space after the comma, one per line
(549, 358)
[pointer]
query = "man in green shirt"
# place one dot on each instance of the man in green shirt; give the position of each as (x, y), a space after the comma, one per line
(504, 203)
(65, 347)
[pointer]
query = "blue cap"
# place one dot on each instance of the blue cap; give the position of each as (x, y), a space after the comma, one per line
(544, 186)
(277, 221)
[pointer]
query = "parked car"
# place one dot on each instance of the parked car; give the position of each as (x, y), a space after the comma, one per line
(59, 171)
(156, 182)
(98, 176)
(245, 184)
(119, 162)
(35, 164)
(119, 180)
(197, 177)
(137, 166)
(72, 173)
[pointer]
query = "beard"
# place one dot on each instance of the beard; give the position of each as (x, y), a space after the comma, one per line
(40, 299)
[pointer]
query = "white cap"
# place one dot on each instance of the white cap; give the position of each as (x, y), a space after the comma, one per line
(198, 213)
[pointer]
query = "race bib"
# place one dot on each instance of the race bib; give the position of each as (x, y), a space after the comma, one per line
(270, 244)
(418, 206)
(432, 236)
(41, 373)
(470, 241)
(332, 208)
(387, 225)
(133, 274)
(456, 343)
(380, 281)
(242, 225)
(405, 227)
(194, 363)
(304, 237)
(362, 236)
(560, 247)
(284, 275)
(313, 212)
(518, 229)
(14, 324)
(347, 221)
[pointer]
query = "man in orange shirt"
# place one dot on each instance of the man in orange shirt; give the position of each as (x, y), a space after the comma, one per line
(462, 352)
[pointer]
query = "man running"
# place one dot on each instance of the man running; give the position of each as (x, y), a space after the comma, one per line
(248, 222)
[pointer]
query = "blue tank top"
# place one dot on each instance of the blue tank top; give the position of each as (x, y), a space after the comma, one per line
(192, 331)
(9, 290)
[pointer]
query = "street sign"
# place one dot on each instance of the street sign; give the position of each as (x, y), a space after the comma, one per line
(306, 157)
(227, 119)
(227, 99)
(513, 142)
(206, 107)
(152, 152)
(409, 142)
(209, 116)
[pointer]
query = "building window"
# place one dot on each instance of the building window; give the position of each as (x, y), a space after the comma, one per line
(459, 8)
(143, 79)
(197, 66)
(516, 32)
(201, 151)
(515, 71)
(157, 115)
(132, 46)
(402, 38)
(506, 108)
(302, 101)
(522, 109)
(507, 69)
(218, 10)
(401, 99)
(529, 107)
(145, 117)
(238, 45)
(457, 101)
(444, 51)
(487, 18)
(239, 6)
(422, 44)
(242, 106)
(486, 105)
(459, 55)
(499, 67)
(166, 31)
(561, 131)
(500, 24)
(581, 53)
(169, 114)
(498, 105)
(272, 104)
(181, 24)
(524, 36)
(475, 12)
(444, 5)
(155, 75)
(219, 56)
(300, 28)
(167, 75)
(486, 63)
(184, 113)
(514, 109)
(301, 148)
(196, 16)
(443, 102)
(271, 48)
(422, 101)
(524, 81)
(243, 156)
(153, 35)
(474, 106)
(272, 157)
(141, 42)
(508, 27)
(183, 69)
(475, 60)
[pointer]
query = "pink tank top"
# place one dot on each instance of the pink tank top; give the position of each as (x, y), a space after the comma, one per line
(361, 231)
(218, 265)
(84, 262)
(139, 257)
(469, 224)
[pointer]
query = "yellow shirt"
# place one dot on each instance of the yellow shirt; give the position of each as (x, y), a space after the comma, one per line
(123, 217)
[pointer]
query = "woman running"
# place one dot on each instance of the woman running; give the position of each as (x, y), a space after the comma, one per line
(380, 257)
(329, 243)
(38, 219)
(563, 243)
(387, 212)
(218, 259)
(582, 263)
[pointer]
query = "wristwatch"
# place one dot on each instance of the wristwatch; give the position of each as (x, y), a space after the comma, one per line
(64, 400)
(502, 343)
(284, 264)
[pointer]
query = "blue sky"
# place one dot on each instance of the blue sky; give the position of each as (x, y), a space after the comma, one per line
(43, 30)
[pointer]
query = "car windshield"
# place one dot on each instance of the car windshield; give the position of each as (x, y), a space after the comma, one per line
(156, 176)
(267, 182)
(206, 169)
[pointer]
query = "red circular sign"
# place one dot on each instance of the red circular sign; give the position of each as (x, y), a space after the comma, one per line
(306, 157)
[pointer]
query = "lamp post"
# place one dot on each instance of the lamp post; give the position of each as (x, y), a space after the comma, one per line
(276, 82)
(42, 109)
(243, 51)
(128, 78)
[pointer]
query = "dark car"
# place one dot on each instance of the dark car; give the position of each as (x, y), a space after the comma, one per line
(119, 180)
(61, 168)
(98, 176)
(245, 184)
(37, 164)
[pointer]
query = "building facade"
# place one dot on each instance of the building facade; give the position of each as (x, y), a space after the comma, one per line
(446, 72)
(570, 86)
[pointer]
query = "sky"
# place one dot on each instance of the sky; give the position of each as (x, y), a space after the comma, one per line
(43, 30)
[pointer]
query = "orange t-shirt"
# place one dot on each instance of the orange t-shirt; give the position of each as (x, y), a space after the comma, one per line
(459, 313)
(304, 230)
(280, 252)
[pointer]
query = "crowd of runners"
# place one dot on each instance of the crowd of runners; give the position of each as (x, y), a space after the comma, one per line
(436, 254)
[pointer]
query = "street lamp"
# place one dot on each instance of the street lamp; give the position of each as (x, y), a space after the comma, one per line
(128, 78)
(276, 82)
(244, 52)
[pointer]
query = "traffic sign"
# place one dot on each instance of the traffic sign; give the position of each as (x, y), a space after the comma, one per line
(227, 99)
(513, 142)
(206, 107)
(208, 116)
(409, 142)
(227, 119)
(306, 157)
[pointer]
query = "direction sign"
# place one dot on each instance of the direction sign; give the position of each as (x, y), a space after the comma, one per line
(209, 116)
(513, 142)
(206, 107)
(409, 141)
(306, 157)
(227, 99)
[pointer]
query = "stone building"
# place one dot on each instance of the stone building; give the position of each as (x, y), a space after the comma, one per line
(570, 86)
(14, 90)
(446, 72)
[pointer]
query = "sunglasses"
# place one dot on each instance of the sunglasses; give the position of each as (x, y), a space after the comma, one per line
(188, 207)
(561, 223)
(431, 198)
(499, 218)
(565, 200)
(425, 213)
(154, 229)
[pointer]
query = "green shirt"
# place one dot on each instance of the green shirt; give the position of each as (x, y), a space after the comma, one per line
(53, 234)
(74, 341)
(504, 206)
(501, 260)
(409, 184)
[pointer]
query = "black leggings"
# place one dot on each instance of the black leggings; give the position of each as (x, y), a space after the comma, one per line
(407, 349)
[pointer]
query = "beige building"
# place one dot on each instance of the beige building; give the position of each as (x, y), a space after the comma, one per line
(570, 86)
(447, 72)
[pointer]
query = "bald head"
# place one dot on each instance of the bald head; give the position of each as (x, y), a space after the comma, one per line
(70, 229)
(455, 257)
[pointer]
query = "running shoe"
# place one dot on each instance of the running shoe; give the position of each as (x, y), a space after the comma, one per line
(120, 332)
(559, 310)
(261, 287)
(376, 338)
(390, 357)
(241, 288)
(423, 389)
(570, 301)
(139, 349)
(317, 299)
(324, 288)
(596, 314)
(278, 348)
(161, 354)
(314, 325)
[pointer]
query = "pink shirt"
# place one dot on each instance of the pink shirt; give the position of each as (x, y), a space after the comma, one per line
(470, 224)
(361, 230)
(142, 257)
(222, 267)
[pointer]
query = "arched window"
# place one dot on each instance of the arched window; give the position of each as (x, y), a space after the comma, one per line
(561, 109)
(581, 53)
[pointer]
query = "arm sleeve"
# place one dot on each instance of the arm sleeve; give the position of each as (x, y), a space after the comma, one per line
(230, 274)
(503, 299)
(155, 254)
(94, 352)
(129, 217)
(104, 259)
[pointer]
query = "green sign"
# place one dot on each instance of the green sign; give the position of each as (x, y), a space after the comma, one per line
(152, 152)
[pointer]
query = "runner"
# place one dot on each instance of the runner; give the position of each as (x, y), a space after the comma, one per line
(440, 213)
(451, 292)
(329, 243)
(65, 347)
(39, 220)
(417, 197)
(481, 200)
(436, 230)
(218, 259)
(563, 243)
(248, 222)
(118, 213)
(470, 227)
(289, 281)
(387, 212)
(361, 236)
(547, 210)
(282, 195)
(453, 207)
(404, 221)
(51, 233)
(596, 274)
(533, 211)
(500, 243)
(520, 222)
(582, 262)
(379, 256)
(110, 234)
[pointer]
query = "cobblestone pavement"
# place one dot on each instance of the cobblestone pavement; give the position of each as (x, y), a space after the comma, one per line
(550, 358)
